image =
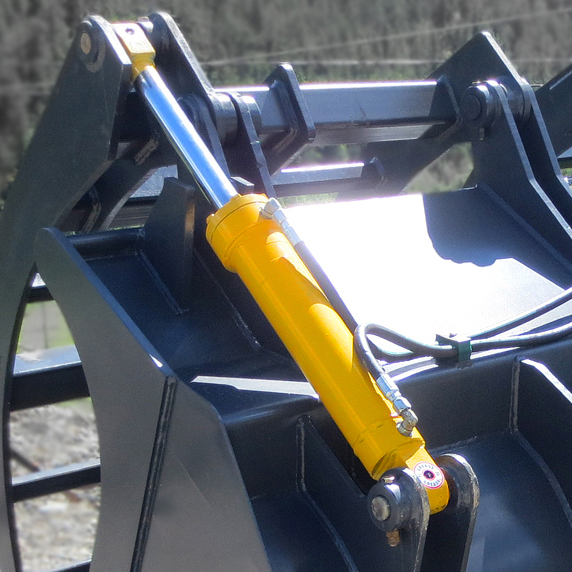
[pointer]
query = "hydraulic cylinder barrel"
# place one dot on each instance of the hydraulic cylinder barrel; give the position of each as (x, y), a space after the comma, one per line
(255, 247)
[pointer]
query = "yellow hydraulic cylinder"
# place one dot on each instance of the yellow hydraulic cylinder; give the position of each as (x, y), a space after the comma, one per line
(252, 245)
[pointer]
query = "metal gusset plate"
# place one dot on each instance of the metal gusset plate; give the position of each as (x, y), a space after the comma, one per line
(450, 532)
(399, 505)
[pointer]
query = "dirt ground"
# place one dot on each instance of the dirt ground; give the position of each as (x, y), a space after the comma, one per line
(57, 530)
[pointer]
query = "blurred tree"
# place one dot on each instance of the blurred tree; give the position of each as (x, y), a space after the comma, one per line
(373, 37)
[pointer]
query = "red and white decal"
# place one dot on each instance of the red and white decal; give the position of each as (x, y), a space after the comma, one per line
(430, 475)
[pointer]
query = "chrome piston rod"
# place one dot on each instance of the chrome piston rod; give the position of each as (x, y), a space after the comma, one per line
(182, 134)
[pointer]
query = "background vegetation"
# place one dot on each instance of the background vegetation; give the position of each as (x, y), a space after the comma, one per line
(240, 41)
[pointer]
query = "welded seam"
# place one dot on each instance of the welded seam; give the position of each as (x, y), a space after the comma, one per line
(155, 469)
(514, 388)
(550, 476)
(314, 507)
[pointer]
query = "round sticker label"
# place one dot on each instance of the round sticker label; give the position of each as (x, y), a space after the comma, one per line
(430, 475)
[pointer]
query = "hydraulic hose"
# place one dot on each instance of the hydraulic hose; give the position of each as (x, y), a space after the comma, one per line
(476, 343)
(326, 285)
(527, 316)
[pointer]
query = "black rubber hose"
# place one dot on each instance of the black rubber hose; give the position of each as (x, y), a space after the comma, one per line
(526, 316)
(326, 285)
(364, 351)
(416, 349)
(524, 340)
(419, 349)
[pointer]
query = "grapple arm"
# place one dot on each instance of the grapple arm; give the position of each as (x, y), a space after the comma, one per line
(214, 448)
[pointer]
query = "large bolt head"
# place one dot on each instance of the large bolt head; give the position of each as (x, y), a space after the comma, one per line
(380, 508)
(478, 105)
(389, 509)
(91, 48)
(85, 43)
(471, 107)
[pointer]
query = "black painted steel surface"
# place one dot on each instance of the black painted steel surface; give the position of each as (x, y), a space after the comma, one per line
(216, 454)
